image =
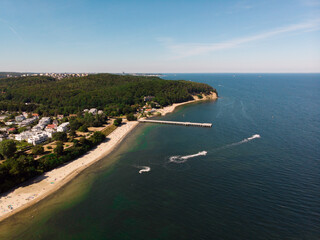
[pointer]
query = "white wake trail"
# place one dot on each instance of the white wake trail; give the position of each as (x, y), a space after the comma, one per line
(238, 143)
(182, 159)
(253, 137)
(144, 169)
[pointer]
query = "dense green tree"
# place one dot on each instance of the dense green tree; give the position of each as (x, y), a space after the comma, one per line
(22, 129)
(60, 136)
(83, 141)
(117, 122)
(7, 148)
(97, 138)
(59, 148)
(83, 128)
(75, 123)
(72, 133)
(131, 117)
(37, 150)
(116, 94)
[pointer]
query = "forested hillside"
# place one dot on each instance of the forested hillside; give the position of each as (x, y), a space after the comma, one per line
(116, 94)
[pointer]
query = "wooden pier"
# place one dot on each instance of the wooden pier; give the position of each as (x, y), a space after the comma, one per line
(177, 123)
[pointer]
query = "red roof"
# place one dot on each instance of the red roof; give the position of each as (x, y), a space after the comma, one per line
(51, 126)
(11, 129)
(35, 114)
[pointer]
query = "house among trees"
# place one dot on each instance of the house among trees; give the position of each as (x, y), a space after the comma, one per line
(11, 130)
(9, 123)
(27, 121)
(45, 121)
(93, 111)
(63, 127)
(19, 118)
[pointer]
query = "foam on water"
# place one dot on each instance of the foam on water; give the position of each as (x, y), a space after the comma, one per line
(182, 159)
(144, 169)
(238, 143)
(253, 137)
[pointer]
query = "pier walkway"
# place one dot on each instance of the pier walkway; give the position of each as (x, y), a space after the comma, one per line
(176, 123)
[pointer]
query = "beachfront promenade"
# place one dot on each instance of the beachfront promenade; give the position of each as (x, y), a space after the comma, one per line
(177, 123)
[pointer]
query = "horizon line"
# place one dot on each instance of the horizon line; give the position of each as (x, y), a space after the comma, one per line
(35, 72)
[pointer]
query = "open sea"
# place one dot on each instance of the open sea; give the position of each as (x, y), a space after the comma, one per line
(254, 175)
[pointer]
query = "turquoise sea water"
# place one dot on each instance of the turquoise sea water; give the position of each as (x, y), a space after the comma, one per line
(260, 178)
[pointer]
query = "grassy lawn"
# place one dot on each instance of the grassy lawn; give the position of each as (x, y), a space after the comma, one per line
(106, 131)
(22, 144)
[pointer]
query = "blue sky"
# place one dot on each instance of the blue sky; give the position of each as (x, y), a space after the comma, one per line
(160, 36)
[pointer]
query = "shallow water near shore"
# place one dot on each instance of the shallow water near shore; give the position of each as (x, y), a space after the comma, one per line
(254, 175)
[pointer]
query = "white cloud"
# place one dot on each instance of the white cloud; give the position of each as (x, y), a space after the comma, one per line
(181, 50)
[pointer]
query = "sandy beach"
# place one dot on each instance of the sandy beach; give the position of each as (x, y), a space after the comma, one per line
(171, 108)
(22, 197)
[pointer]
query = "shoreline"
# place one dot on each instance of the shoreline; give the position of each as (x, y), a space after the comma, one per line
(42, 186)
(169, 109)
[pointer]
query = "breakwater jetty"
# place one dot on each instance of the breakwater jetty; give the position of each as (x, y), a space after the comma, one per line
(176, 123)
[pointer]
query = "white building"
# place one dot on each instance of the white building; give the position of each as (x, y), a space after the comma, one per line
(37, 128)
(50, 132)
(24, 135)
(4, 129)
(63, 127)
(19, 118)
(28, 121)
(93, 111)
(38, 138)
(44, 121)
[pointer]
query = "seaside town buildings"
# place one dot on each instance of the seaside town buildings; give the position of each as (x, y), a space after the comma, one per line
(55, 75)
(37, 138)
(27, 121)
(93, 111)
(39, 133)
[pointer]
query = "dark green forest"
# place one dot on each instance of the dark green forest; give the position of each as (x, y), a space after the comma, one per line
(115, 94)
(13, 74)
